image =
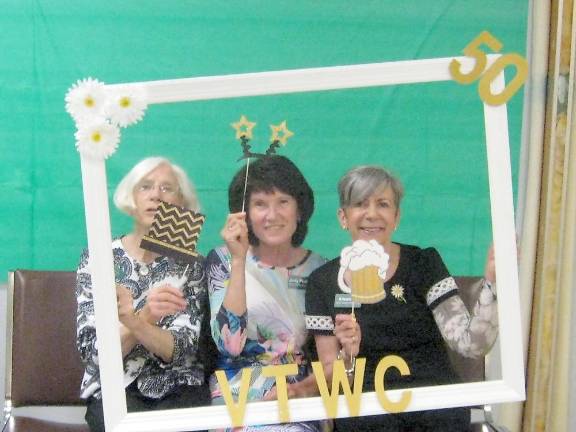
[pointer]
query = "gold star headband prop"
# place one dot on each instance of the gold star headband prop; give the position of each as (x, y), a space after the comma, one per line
(243, 127)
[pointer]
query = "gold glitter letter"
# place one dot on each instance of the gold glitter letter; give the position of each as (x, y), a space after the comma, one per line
(383, 365)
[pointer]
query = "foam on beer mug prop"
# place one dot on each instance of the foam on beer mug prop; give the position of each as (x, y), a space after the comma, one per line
(174, 233)
(367, 262)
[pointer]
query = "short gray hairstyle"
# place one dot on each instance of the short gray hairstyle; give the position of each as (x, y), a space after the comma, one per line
(361, 182)
(124, 194)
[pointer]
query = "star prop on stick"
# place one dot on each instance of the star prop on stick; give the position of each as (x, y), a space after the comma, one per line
(243, 127)
(174, 233)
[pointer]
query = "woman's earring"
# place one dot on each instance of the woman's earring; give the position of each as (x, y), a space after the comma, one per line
(344, 227)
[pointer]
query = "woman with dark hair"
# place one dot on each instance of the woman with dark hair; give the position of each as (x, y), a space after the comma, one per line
(257, 282)
(419, 312)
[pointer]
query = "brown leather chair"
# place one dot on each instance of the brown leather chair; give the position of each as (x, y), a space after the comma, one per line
(43, 367)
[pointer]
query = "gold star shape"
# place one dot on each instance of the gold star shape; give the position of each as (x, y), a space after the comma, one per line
(280, 133)
(243, 127)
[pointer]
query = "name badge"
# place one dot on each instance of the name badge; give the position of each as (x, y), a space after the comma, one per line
(296, 282)
(343, 300)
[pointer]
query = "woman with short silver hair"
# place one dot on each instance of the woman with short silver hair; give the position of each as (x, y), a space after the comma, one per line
(416, 312)
(162, 305)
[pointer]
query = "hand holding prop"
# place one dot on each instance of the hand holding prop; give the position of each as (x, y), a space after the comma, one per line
(367, 263)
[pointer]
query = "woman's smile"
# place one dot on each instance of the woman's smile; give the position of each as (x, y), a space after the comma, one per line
(273, 217)
(375, 218)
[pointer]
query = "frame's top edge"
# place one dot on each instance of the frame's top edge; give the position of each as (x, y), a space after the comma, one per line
(298, 80)
(352, 68)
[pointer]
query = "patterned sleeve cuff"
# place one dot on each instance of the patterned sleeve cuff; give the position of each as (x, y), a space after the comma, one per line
(179, 352)
(320, 323)
(179, 347)
(441, 291)
(234, 322)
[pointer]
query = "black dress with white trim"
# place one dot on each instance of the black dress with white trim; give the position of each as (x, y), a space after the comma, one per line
(401, 324)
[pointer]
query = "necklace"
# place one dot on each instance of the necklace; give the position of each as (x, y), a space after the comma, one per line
(133, 250)
(291, 261)
(142, 269)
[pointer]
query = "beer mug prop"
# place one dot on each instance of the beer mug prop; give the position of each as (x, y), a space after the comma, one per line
(367, 262)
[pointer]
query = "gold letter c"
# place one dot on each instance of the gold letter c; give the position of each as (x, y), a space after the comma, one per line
(383, 365)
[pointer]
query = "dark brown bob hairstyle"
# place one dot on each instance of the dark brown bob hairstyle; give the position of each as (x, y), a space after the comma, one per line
(266, 174)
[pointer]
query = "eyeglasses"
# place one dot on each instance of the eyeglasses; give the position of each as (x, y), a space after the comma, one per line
(165, 188)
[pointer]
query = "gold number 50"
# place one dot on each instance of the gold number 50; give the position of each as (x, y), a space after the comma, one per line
(486, 77)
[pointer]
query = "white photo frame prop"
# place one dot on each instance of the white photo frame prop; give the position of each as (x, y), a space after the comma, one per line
(508, 389)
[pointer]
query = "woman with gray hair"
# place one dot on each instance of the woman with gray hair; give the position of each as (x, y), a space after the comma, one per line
(162, 305)
(418, 309)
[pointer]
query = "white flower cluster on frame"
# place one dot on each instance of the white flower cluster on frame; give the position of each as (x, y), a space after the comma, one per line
(99, 113)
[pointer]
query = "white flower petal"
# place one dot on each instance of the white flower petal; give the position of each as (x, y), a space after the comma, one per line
(97, 139)
(126, 105)
(85, 100)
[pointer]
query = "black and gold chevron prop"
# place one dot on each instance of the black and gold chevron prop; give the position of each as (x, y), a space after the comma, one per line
(174, 232)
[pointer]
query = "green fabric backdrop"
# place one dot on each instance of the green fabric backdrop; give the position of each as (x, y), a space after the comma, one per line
(431, 135)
